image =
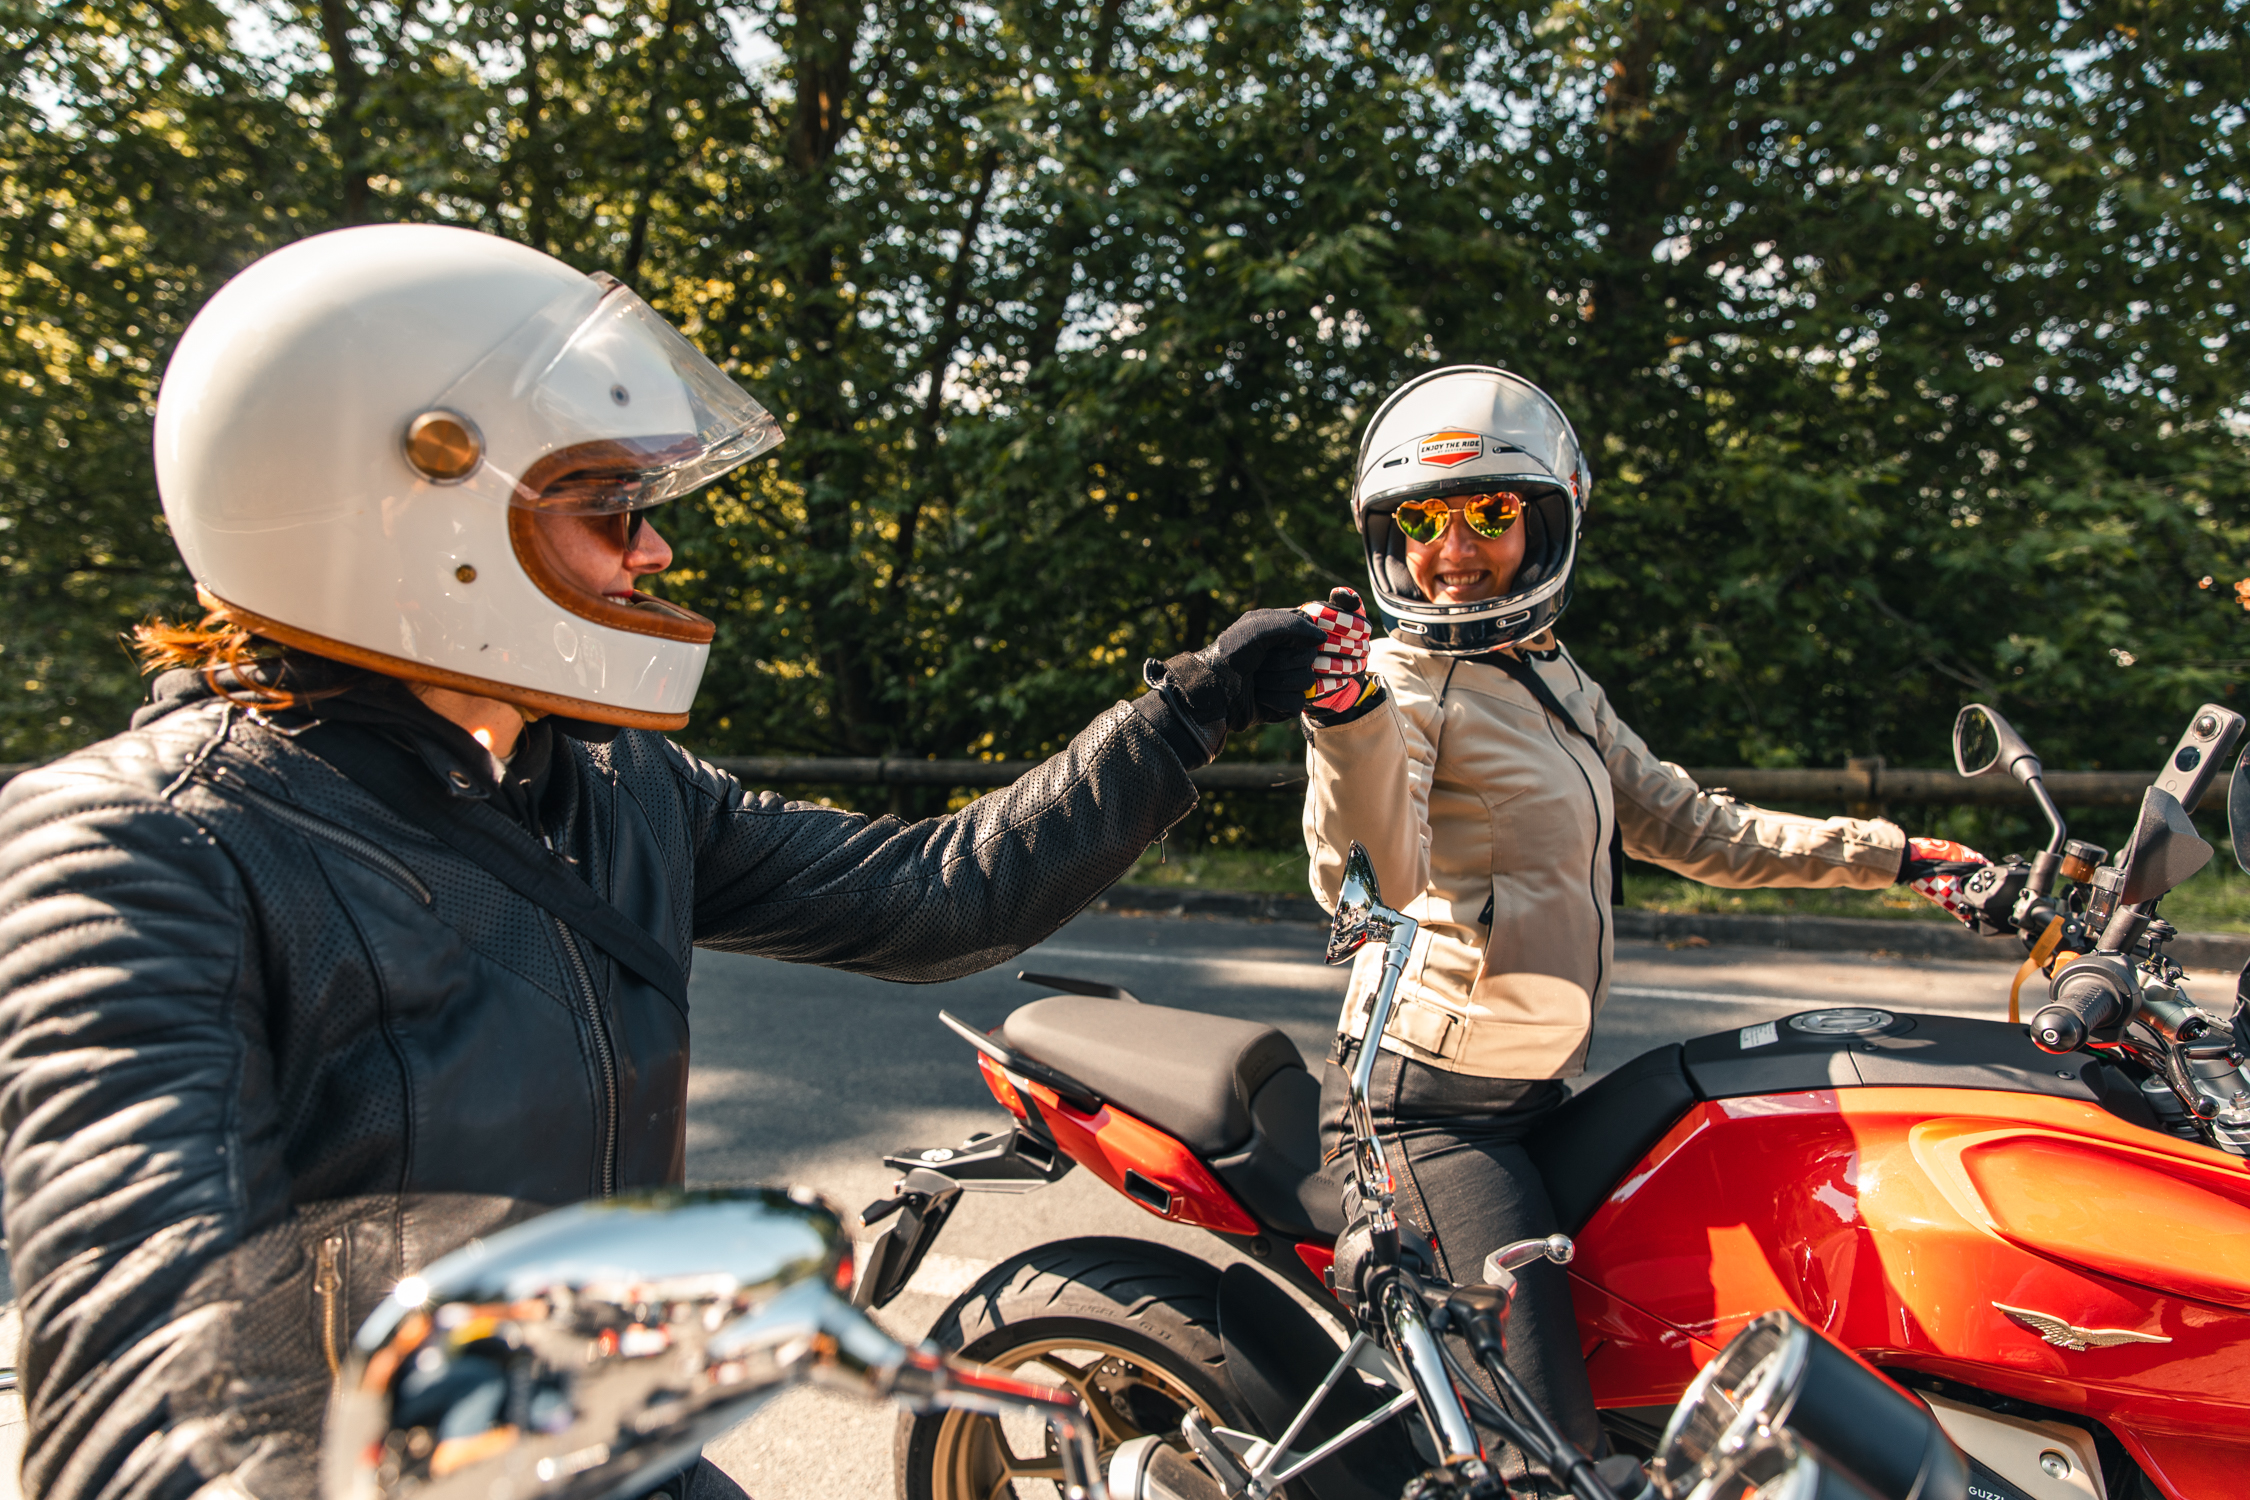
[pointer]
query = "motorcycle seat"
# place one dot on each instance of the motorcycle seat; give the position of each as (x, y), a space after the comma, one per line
(1190, 1075)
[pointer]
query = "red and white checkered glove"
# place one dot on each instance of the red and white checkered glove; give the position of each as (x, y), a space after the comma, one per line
(1340, 667)
(1935, 868)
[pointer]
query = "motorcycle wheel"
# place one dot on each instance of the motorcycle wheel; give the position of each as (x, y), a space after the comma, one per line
(1132, 1327)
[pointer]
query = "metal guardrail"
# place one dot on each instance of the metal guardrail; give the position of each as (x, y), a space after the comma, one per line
(767, 770)
(1860, 783)
(1878, 784)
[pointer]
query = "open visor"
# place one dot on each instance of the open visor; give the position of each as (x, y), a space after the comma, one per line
(595, 405)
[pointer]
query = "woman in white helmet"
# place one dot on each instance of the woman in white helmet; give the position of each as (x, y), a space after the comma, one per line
(373, 933)
(1493, 785)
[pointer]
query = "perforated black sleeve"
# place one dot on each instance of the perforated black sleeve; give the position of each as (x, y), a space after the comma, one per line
(944, 897)
(134, 1167)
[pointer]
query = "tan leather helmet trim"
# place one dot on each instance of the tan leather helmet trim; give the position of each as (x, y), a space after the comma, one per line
(647, 614)
(460, 682)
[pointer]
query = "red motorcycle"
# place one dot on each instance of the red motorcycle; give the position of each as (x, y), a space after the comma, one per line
(2042, 1230)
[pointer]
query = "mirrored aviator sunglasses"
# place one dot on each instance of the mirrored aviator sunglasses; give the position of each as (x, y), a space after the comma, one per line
(1489, 516)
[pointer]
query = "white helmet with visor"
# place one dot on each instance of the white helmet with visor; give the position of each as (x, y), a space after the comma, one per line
(1458, 436)
(364, 440)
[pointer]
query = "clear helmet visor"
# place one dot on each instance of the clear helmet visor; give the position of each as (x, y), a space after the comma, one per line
(595, 405)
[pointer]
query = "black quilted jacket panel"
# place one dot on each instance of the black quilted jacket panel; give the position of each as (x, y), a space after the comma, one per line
(251, 1022)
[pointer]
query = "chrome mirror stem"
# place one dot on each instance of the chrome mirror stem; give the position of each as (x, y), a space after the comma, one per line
(1399, 932)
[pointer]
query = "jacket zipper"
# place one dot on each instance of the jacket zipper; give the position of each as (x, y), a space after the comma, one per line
(1601, 846)
(365, 850)
(1601, 840)
(603, 1051)
(328, 1285)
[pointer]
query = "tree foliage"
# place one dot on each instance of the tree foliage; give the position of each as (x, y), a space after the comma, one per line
(1906, 338)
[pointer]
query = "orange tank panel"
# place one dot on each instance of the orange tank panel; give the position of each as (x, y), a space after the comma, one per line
(1895, 1219)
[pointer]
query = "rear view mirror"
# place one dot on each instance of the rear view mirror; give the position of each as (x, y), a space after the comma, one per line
(2165, 849)
(1358, 900)
(2238, 811)
(1984, 741)
(629, 1331)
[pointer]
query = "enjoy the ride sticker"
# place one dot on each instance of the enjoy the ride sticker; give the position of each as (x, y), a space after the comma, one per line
(1445, 449)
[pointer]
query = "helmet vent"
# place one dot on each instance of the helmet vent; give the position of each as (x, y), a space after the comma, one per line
(443, 447)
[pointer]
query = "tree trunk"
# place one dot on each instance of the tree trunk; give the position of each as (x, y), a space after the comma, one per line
(345, 115)
(535, 179)
(933, 403)
(654, 138)
(822, 41)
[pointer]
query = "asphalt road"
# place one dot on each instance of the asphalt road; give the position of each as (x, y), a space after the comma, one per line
(805, 1076)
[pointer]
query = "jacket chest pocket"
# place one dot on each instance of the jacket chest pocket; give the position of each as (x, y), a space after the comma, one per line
(353, 1249)
(1558, 825)
(1545, 796)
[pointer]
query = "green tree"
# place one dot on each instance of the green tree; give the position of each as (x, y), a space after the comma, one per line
(1905, 337)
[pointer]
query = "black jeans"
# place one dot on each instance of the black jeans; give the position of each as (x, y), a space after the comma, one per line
(700, 1480)
(1464, 1179)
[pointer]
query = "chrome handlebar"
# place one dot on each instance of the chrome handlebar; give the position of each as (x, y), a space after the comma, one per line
(596, 1348)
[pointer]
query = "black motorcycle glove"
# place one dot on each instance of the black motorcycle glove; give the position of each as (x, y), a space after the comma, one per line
(1255, 673)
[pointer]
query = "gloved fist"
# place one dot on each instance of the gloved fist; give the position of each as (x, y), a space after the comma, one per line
(1934, 868)
(1340, 670)
(1256, 672)
(1270, 652)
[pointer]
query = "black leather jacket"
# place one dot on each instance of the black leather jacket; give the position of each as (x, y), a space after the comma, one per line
(265, 1045)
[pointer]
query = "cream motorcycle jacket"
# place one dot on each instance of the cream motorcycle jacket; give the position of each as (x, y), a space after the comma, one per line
(1489, 820)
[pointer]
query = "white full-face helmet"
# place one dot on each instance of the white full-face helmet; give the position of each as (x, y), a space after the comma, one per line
(1463, 431)
(362, 440)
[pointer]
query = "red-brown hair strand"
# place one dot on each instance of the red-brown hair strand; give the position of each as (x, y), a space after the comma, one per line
(217, 643)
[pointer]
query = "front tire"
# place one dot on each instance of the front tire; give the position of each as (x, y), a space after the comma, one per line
(1132, 1327)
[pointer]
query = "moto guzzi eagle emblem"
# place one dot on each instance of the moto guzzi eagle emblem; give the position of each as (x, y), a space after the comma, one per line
(2068, 1336)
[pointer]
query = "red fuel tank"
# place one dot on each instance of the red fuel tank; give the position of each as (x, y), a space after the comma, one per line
(2032, 1246)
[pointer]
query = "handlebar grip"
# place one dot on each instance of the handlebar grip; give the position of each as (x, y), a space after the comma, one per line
(2085, 1000)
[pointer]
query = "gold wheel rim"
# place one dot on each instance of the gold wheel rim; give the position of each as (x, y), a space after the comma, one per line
(980, 1458)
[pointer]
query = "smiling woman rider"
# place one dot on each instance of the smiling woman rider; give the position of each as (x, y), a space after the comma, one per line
(1494, 786)
(374, 931)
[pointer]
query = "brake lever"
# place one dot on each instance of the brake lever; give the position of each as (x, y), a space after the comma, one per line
(1509, 1258)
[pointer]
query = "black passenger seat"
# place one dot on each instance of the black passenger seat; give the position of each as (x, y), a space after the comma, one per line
(1234, 1092)
(1189, 1074)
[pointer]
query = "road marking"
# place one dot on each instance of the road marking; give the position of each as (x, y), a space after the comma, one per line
(1972, 1010)
(1237, 970)
(1267, 971)
(1707, 997)
(940, 1275)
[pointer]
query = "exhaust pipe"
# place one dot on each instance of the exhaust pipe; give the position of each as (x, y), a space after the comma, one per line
(1146, 1469)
